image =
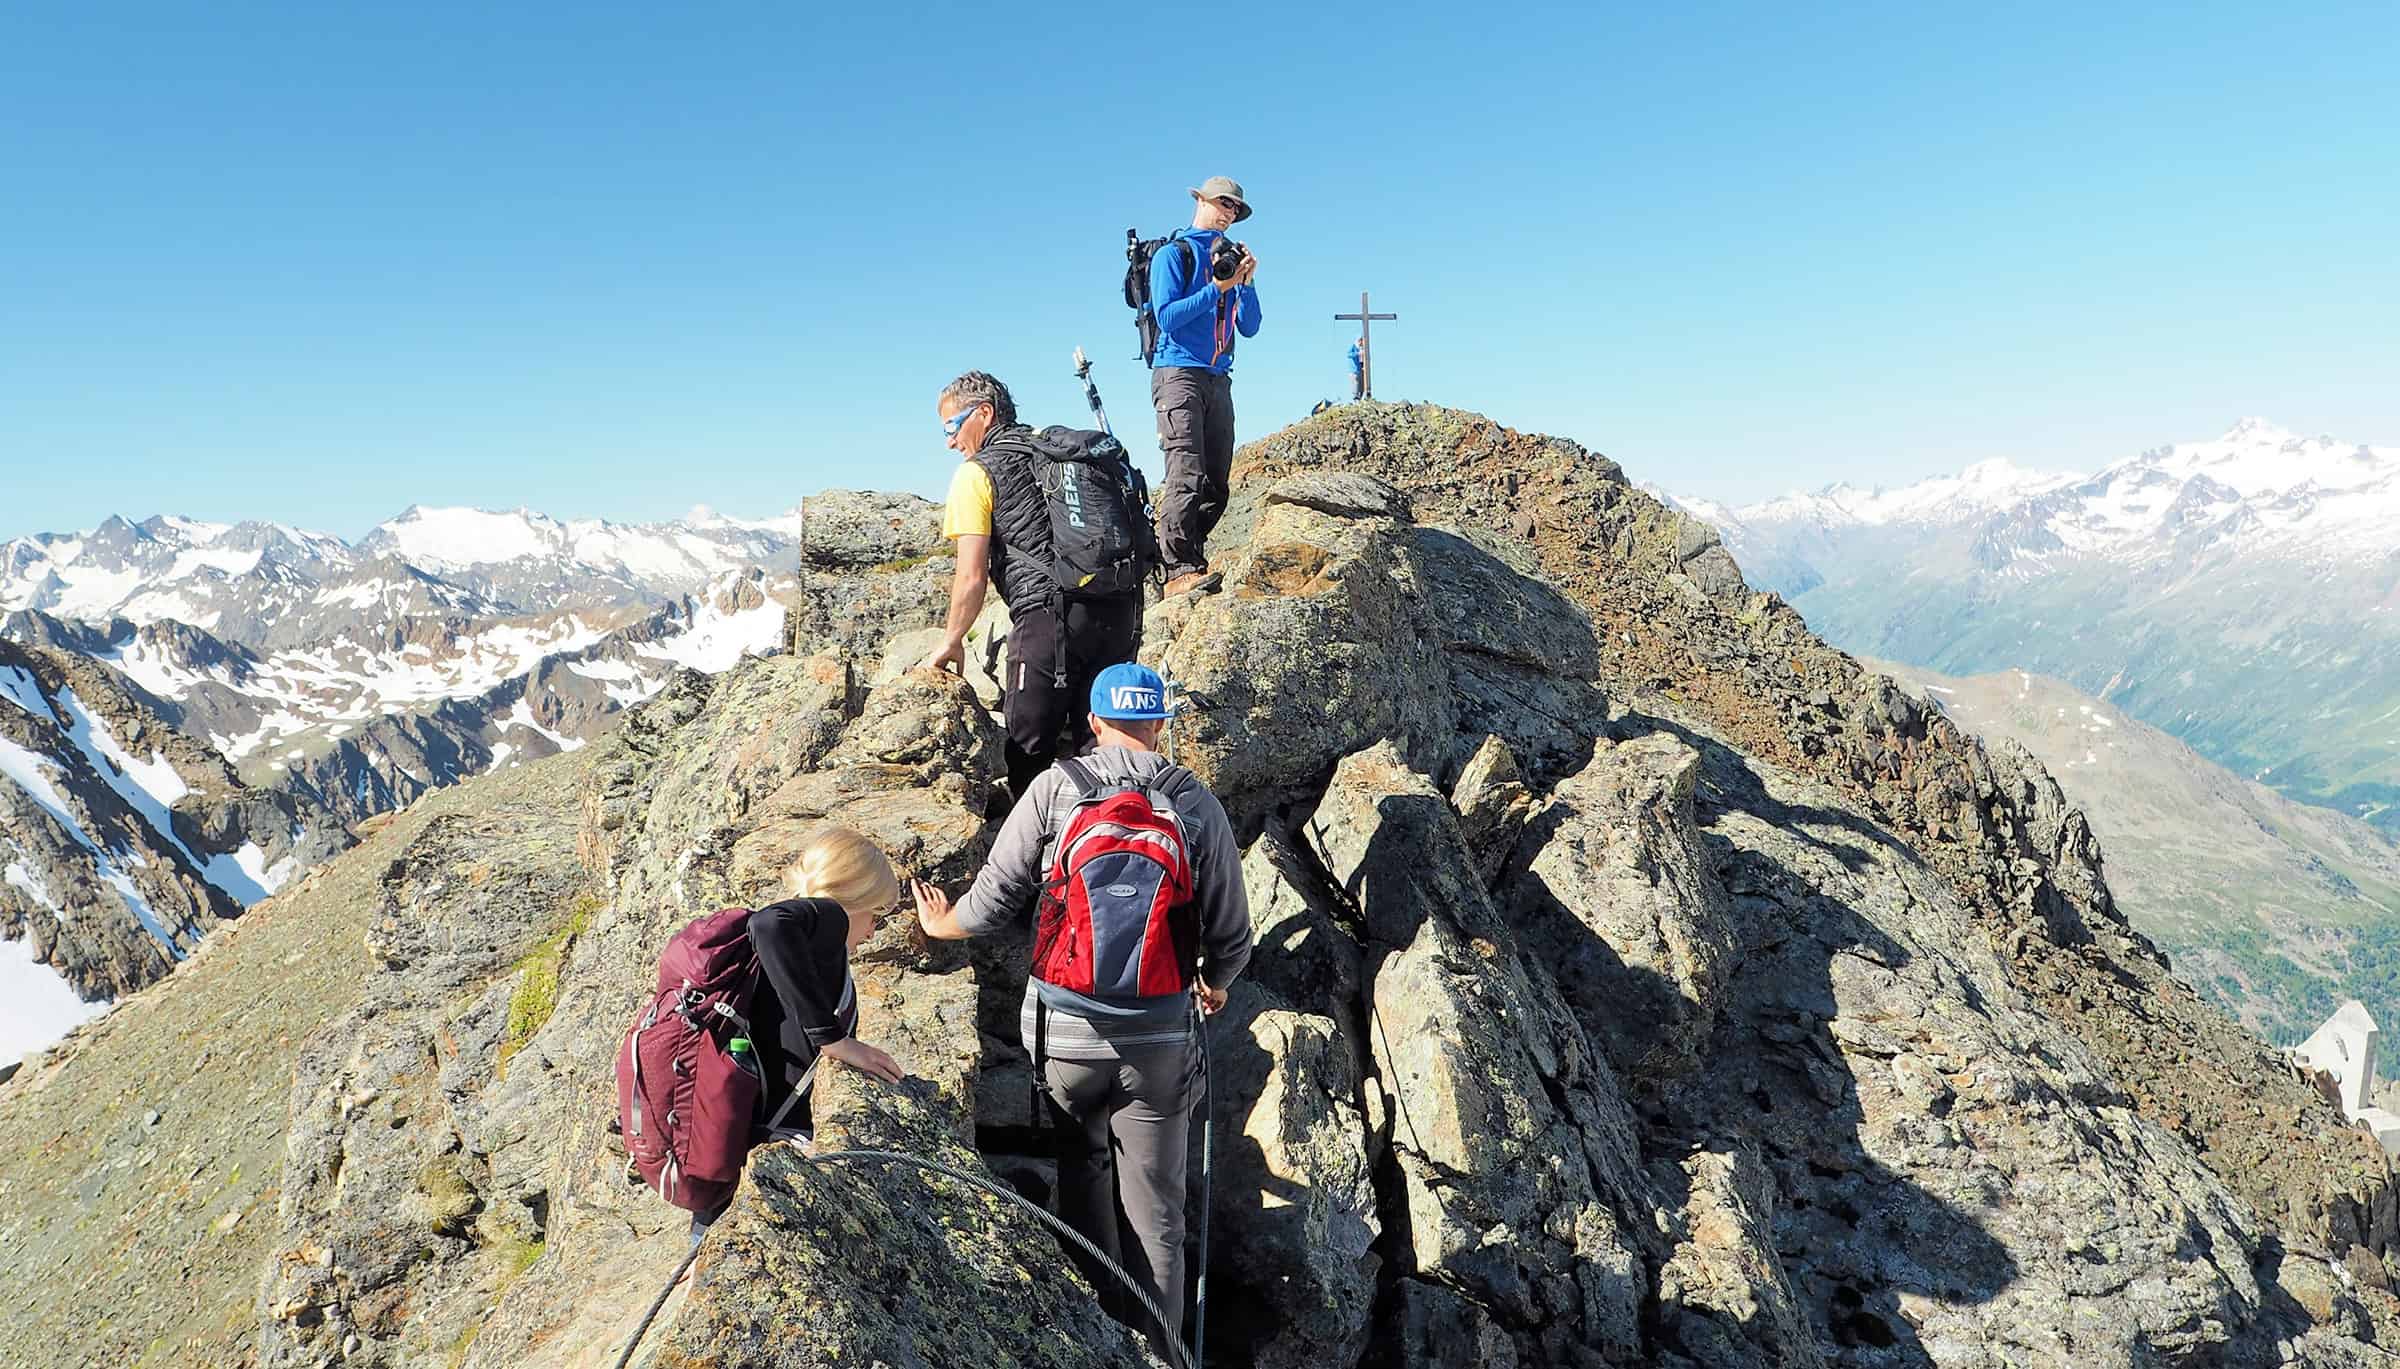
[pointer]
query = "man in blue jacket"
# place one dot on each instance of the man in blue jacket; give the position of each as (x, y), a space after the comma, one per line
(1191, 377)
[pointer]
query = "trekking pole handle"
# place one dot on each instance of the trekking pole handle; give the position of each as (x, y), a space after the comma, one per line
(1091, 392)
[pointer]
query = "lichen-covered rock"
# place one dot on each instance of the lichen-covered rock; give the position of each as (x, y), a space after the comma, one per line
(862, 529)
(1295, 1211)
(828, 1263)
(1493, 806)
(1723, 1295)
(1296, 1206)
(1342, 494)
(393, 1223)
(1333, 633)
(1615, 893)
(872, 565)
(1516, 1150)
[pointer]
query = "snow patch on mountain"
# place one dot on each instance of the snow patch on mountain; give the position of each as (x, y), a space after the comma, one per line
(28, 769)
(37, 1006)
(150, 789)
(154, 777)
(1976, 491)
(18, 686)
(623, 682)
(139, 661)
(522, 716)
(718, 638)
(455, 538)
(22, 876)
(2256, 484)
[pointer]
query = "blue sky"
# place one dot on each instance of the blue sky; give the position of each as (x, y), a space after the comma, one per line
(320, 264)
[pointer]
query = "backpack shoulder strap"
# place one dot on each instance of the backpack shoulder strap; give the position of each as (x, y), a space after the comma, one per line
(1181, 238)
(1078, 774)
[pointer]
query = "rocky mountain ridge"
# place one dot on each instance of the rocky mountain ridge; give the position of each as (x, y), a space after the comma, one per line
(122, 843)
(2278, 910)
(351, 682)
(1639, 982)
(2237, 593)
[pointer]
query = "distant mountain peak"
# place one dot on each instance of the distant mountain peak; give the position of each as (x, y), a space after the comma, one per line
(2256, 429)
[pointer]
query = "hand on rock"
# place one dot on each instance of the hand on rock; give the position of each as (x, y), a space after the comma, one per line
(952, 657)
(864, 1058)
(933, 912)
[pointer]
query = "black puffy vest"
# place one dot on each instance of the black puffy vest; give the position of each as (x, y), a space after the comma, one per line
(1021, 551)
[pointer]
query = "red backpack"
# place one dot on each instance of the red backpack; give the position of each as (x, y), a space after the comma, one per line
(685, 1103)
(1117, 919)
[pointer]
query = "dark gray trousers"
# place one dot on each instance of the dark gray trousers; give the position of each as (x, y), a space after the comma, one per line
(1124, 1134)
(1195, 431)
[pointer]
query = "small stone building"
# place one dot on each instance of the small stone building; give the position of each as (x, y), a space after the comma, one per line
(2341, 1058)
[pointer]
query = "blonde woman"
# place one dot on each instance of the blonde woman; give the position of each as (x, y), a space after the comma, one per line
(805, 1009)
(806, 1005)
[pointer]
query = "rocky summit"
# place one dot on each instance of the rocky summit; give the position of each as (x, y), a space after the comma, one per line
(1639, 982)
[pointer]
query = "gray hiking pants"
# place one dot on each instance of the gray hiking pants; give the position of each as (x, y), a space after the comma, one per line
(1124, 1132)
(1195, 433)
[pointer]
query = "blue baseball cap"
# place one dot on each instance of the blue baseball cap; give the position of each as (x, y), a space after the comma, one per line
(1129, 690)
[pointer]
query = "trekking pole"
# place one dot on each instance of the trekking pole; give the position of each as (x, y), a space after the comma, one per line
(1208, 1155)
(1173, 708)
(1091, 392)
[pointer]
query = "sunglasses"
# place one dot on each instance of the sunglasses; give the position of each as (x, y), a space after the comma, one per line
(956, 421)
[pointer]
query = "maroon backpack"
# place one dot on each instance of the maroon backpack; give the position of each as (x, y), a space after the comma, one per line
(685, 1103)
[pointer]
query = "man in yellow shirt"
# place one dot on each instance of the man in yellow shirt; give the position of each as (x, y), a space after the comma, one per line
(998, 517)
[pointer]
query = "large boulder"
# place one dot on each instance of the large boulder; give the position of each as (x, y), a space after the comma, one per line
(872, 565)
(1615, 892)
(1337, 630)
(1293, 1215)
(1516, 1151)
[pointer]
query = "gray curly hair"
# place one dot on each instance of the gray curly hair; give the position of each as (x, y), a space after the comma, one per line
(982, 387)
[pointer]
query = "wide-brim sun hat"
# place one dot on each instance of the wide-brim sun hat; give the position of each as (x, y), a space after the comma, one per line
(1224, 188)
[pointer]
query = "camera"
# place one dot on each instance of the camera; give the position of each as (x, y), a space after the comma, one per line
(1226, 258)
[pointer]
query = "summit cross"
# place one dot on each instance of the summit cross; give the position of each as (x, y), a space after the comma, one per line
(1366, 354)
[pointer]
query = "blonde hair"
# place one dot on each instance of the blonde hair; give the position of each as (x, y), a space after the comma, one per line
(839, 864)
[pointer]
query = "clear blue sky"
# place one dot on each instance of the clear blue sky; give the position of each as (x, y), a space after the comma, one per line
(321, 264)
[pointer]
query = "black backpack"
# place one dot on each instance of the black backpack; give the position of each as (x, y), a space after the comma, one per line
(1138, 252)
(1101, 543)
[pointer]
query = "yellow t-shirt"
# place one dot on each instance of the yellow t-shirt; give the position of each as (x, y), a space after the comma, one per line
(969, 511)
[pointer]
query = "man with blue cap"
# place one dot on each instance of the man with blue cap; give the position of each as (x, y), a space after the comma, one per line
(1115, 1048)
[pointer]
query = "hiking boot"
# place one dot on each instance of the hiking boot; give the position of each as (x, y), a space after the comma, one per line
(1194, 582)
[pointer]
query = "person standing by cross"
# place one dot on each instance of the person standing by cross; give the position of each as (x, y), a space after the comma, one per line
(1362, 355)
(1203, 292)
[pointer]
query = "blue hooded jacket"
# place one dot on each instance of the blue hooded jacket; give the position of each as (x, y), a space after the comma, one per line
(1191, 326)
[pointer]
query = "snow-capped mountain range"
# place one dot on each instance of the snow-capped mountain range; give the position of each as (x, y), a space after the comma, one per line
(336, 679)
(464, 637)
(2261, 485)
(2242, 593)
(270, 585)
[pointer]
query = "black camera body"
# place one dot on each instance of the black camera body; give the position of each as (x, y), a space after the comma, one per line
(1226, 258)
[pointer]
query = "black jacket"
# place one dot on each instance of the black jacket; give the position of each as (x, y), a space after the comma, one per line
(1021, 551)
(805, 1001)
